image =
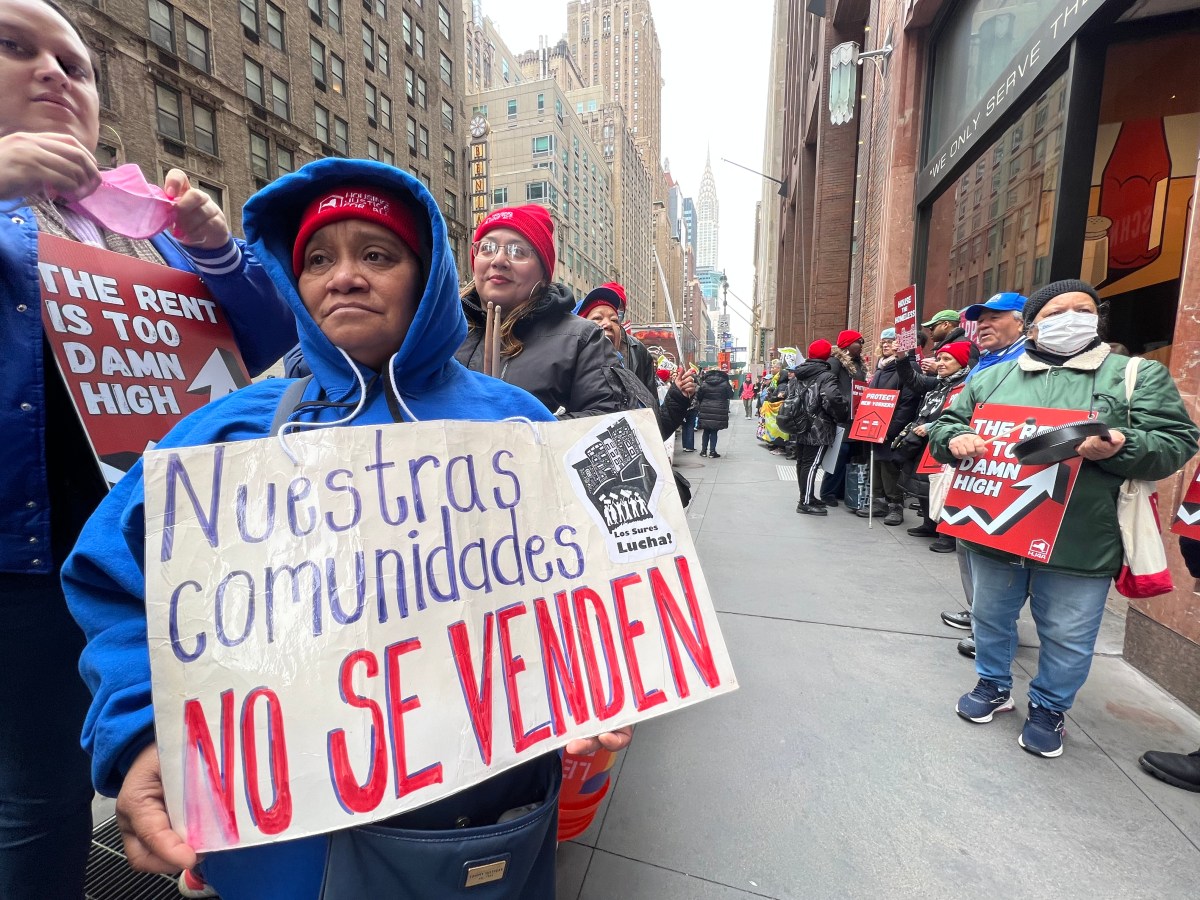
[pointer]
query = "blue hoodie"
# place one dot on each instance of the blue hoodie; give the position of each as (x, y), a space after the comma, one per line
(104, 576)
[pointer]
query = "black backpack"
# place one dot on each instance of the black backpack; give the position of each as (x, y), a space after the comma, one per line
(798, 412)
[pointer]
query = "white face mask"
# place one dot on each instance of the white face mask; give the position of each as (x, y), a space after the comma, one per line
(1068, 332)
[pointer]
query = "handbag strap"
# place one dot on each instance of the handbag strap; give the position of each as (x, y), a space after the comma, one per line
(1131, 374)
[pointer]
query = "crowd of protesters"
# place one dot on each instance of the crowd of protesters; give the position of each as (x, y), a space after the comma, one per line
(1044, 351)
(351, 258)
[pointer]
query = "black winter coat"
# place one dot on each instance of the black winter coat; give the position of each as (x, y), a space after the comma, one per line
(888, 377)
(713, 398)
(639, 361)
(834, 406)
(846, 370)
(563, 360)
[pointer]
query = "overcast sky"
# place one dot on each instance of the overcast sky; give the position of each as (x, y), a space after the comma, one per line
(714, 67)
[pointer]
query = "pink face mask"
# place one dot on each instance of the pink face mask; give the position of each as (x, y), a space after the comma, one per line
(127, 204)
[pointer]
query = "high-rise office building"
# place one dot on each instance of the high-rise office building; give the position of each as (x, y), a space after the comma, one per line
(708, 215)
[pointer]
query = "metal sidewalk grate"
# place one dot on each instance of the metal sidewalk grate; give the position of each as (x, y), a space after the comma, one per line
(786, 473)
(110, 878)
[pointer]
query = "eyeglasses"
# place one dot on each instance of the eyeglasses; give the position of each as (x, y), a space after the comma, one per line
(516, 253)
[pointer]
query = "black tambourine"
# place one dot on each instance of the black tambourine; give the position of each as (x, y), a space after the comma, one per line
(1057, 444)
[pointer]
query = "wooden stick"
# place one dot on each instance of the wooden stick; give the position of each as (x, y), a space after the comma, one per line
(487, 340)
(496, 356)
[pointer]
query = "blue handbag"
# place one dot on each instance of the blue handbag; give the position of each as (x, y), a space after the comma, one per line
(493, 841)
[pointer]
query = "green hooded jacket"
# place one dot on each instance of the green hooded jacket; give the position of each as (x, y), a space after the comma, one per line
(1160, 438)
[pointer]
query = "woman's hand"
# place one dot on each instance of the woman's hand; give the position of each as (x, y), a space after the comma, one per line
(54, 165)
(1096, 448)
(921, 431)
(199, 222)
(968, 446)
(610, 740)
(150, 844)
(685, 381)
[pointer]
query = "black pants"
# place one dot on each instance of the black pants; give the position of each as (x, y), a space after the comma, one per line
(808, 470)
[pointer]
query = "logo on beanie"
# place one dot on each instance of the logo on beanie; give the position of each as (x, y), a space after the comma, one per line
(621, 488)
(501, 216)
(358, 200)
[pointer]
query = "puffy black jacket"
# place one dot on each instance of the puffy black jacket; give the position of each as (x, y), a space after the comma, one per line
(639, 361)
(835, 407)
(563, 360)
(888, 377)
(713, 398)
(846, 370)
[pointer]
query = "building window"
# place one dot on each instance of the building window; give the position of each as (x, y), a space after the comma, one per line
(380, 8)
(368, 40)
(512, 110)
(372, 149)
(196, 36)
(285, 160)
(543, 144)
(537, 190)
(169, 112)
(447, 69)
(558, 110)
(385, 112)
(254, 81)
(422, 85)
(500, 196)
(341, 136)
(410, 86)
(406, 25)
(423, 141)
(541, 105)
(383, 56)
(419, 41)
(451, 205)
(275, 27)
(447, 115)
(316, 51)
(280, 97)
(314, 9)
(162, 24)
(372, 97)
(260, 155)
(217, 195)
(448, 159)
(204, 128)
(322, 120)
(389, 157)
(444, 21)
(412, 135)
(248, 12)
(337, 74)
(333, 15)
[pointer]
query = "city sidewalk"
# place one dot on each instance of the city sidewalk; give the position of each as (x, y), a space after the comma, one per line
(839, 769)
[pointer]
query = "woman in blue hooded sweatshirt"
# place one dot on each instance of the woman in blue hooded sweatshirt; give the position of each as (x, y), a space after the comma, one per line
(359, 250)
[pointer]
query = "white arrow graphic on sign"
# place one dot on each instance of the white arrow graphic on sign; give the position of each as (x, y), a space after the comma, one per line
(219, 376)
(1050, 482)
(1189, 516)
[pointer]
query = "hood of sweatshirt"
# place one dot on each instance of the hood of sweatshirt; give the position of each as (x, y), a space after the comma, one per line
(424, 359)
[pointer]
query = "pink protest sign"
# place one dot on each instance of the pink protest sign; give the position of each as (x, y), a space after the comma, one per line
(906, 319)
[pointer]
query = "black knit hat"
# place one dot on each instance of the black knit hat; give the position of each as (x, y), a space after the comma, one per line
(1038, 299)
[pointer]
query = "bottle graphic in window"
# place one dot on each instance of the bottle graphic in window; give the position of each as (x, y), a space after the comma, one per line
(1133, 194)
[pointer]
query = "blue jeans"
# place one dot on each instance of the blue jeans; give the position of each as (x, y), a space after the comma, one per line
(1066, 609)
(45, 787)
(708, 440)
(689, 430)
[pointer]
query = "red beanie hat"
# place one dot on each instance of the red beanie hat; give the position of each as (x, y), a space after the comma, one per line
(532, 222)
(356, 203)
(819, 349)
(848, 337)
(608, 294)
(960, 350)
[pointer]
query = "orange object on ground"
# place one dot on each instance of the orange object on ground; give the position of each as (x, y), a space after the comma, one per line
(585, 783)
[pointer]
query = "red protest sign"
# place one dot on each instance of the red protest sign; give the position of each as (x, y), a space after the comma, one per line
(139, 346)
(874, 415)
(906, 319)
(999, 503)
(1187, 518)
(970, 327)
(857, 389)
(928, 465)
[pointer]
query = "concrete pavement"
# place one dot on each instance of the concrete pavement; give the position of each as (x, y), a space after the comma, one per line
(840, 769)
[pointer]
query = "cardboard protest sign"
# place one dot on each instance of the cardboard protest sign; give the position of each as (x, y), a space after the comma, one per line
(999, 503)
(1187, 518)
(873, 415)
(906, 319)
(408, 610)
(970, 327)
(857, 389)
(927, 465)
(139, 345)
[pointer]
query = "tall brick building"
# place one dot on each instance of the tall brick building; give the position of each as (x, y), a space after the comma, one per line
(240, 92)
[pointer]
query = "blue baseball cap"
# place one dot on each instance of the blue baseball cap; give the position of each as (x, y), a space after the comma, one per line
(1009, 301)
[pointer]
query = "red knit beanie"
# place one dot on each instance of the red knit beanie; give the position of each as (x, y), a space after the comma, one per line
(608, 294)
(819, 349)
(532, 222)
(848, 337)
(960, 350)
(356, 203)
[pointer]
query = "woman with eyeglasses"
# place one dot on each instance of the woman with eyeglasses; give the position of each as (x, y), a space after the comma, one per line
(543, 346)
